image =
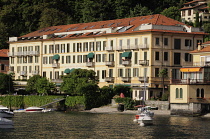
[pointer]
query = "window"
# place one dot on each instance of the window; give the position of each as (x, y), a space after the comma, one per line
(179, 93)
(127, 72)
(50, 74)
(111, 57)
(183, 13)
(128, 43)
(165, 56)
(45, 49)
(166, 41)
(188, 42)
(189, 12)
(74, 45)
(51, 50)
(91, 46)
(98, 46)
(85, 59)
(188, 57)
(73, 59)
(175, 74)
(120, 59)
(62, 48)
(44, 74)
(24, 59)
(177, 58)
(85, 46)
(68, 59)
(177, 43)
(157, 41)
(68, 47)
(157, 56)
(156, 72)
(36, 59)
(103, 57)
(103, 74)
(50, 60)
(136, 42)
(57, 75)
(79, 47)
(62, 59)
(110, 72)
(135, 72)
(202, 93)
(98, 57)
(145, 55)
(30, 59)
(104, 45)
(120, 44)
(120, 72)
(2, 67)
(136, 58)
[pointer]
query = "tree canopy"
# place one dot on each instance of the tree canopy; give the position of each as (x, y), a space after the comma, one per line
(6, 84)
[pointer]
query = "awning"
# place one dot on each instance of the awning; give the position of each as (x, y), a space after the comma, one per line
(190, 69)
(71, 70)
(90, 55)
(67, 71)
(56, 57)
(127, 54)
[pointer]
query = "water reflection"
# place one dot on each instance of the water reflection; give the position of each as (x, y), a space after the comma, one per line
(75, 125)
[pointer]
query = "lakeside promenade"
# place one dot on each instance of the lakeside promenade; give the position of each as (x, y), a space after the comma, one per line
(111, 109)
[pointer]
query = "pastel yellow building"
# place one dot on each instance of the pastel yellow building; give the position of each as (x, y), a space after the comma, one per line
(130, 51)
(191, 94)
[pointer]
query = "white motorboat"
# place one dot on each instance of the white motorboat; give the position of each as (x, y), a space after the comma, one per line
(5, 113)
(5, 123)
(144, 116)
(33, 109)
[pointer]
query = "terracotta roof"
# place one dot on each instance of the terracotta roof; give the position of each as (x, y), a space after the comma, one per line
(157, 19)
(193, 6)
(194, 1)
(206, 8)
(205, 49)
(4, 52)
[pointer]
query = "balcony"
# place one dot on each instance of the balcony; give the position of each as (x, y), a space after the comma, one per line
(110, 48)
(144, 62)
(190, 81)
(18, 53)
(109, 63)
(126, 62)
(33, 53)
(35, 72)
(55, 65)
(144, 46)
(126, 79)
(141, 79)
(10, 54)
(23, 73)
(109, 79)
(90, 64)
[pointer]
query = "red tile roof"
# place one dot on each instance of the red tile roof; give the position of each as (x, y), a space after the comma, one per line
(205, 49)
(193, 6)
(133, 23)
(4, 52)
(194, 1)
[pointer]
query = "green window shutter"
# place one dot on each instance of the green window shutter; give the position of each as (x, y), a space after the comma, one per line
(177, 93)
(181, 93)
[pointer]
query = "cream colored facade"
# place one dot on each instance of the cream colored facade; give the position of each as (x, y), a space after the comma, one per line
(145, 54)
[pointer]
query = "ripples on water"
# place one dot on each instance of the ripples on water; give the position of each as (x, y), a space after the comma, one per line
(75, 125)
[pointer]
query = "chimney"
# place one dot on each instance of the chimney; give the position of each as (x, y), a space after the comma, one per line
(199, 46)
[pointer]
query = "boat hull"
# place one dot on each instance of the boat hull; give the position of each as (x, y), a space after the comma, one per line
(6, 114)
(5, 123)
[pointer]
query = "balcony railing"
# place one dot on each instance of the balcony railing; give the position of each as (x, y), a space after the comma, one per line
(126, 79)
(24, 53)
(143, 46)
(141, 79)
(32, 53)
(35, 72)
(55, 65)
(23, 73)
(144, 62)
(90, 64)
(109, 63)
(10, 54)
(109, 79)
(190, 81)
(126, 62)
(110, 48)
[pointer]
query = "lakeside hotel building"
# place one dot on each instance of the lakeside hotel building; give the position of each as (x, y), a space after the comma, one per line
(130, 51)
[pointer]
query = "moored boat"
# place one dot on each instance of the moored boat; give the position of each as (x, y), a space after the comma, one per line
(33, 109)
(144, 116)
(5, 113)
(6, 123)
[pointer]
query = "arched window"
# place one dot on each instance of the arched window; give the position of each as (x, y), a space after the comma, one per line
(181, 93)
(202, 93)
(198, 92)
(177, 93)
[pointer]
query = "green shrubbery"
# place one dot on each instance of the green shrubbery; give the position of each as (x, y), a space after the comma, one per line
(128, 102)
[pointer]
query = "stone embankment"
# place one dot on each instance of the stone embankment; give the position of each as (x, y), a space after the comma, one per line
(111, 109)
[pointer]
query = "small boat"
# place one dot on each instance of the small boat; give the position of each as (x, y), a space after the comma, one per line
(33, 109)
(5, 113)
(5, 123)
(144, 116)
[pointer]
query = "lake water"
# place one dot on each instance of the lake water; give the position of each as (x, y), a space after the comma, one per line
(79, 125)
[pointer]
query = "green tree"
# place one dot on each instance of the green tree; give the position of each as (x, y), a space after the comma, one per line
(43, 86)
(31, 88)
(126, 90)
(172, 12)
(197, 23)
(76, 79)
(6, 84)
(139, 10)
(106, 94)
(163, 74)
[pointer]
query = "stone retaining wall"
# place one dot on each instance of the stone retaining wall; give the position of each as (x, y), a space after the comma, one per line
(162, 105)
